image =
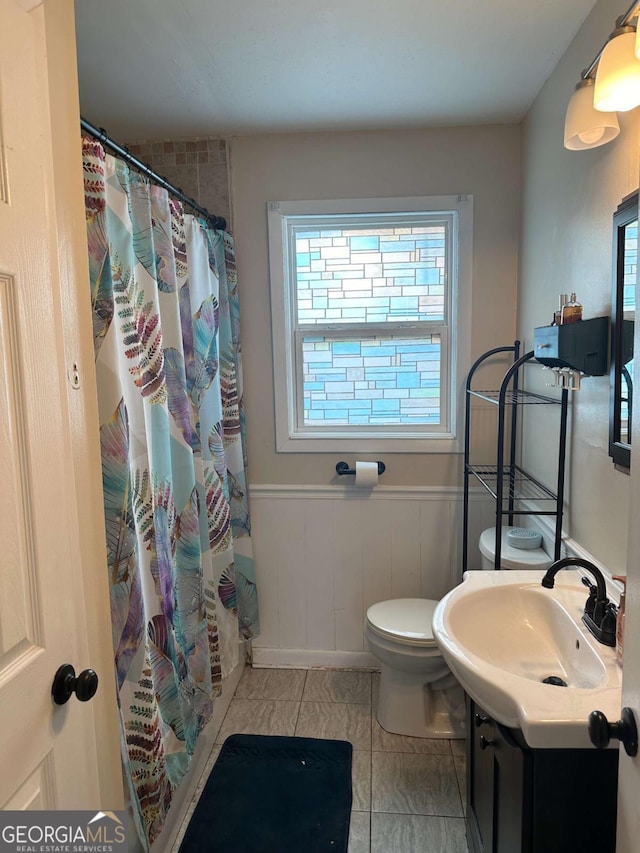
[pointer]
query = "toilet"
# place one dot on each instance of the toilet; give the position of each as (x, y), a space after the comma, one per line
(419, 696)
(522, 557)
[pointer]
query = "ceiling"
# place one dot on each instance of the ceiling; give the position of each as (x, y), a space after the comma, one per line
(164, 69)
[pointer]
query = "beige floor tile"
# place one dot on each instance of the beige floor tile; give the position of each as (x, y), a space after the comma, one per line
(337, 686)
(215, 752)
(337, 721)
(460, 762)
(383, 741)
(359, 833)
(459, 746)
(283, 684)
(416, 787)
(188, 814)
(394, 833)
(405, 783)
(259, 717)
(361, 777)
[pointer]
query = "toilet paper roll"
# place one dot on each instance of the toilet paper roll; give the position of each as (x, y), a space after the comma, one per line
(366, 475)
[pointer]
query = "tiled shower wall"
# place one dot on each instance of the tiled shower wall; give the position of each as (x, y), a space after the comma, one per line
(198, 167)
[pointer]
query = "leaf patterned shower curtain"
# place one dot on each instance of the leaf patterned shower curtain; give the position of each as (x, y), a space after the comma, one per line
(167, 353)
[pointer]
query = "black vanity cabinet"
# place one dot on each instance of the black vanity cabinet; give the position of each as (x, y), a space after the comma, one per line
(522, 800)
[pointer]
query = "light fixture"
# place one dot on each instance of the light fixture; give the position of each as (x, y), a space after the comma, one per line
(584, 126)
(618, 75)
(609, 85)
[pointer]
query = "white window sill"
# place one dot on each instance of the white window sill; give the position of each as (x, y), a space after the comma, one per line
(335, 444)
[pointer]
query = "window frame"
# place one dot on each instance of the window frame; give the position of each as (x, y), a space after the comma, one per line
(286, 331)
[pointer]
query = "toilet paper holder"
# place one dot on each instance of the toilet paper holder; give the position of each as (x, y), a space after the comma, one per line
(343, 468)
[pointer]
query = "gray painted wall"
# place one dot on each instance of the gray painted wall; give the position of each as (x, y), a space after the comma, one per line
(568, 202)
(483, 161)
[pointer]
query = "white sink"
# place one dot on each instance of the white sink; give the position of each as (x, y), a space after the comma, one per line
(502, 634)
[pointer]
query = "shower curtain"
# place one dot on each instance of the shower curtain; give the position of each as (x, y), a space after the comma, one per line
(168, 364)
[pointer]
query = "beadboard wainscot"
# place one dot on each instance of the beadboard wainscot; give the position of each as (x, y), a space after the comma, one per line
(324, 554)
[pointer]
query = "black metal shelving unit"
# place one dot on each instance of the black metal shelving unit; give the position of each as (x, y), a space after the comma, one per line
(507, 482)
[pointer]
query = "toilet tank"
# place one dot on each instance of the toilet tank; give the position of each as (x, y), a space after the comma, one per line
(510, 557)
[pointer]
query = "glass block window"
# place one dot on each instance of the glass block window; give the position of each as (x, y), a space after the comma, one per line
(364, 306)
(629, 313)
(371, 275)
(630, 266)
(373, 382)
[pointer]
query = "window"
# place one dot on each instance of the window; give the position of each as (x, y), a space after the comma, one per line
(370, 316)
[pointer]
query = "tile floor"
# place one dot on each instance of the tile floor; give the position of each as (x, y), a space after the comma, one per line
(408, 793)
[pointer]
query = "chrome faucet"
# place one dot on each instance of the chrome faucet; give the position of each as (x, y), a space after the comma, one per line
(598, 616)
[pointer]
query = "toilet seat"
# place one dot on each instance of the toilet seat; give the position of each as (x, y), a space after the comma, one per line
(404, 620)
(419, 695)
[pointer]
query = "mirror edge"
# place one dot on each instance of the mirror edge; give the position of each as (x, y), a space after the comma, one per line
(626, 212)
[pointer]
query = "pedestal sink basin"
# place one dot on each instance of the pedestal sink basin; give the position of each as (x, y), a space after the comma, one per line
(523, 653)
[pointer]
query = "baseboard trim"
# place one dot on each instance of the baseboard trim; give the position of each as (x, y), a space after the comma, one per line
(312, 659)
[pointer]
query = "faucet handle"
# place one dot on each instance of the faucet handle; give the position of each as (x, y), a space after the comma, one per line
(608, 623)
(590, 605)
(600, 612)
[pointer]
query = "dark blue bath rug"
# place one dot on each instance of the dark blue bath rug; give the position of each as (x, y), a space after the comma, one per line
(270, 794)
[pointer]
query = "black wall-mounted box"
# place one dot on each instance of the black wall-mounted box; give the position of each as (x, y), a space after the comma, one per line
(582, 346)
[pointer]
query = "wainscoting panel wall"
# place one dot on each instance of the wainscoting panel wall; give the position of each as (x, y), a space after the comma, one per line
(324, 554)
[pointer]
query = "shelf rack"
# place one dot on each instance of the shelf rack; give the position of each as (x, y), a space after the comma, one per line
(507, 482)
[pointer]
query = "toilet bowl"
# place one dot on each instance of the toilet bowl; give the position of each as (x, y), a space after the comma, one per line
(419, 696)
(510, 557)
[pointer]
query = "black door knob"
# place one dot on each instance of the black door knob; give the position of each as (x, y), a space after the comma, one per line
(65, 684)
(625, 730)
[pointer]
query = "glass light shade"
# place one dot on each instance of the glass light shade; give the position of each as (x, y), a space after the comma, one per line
(638, 38)
(585, 127)
(618, 76)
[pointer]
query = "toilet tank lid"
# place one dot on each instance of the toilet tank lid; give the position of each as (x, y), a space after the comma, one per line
(512, 558)
(408, 618)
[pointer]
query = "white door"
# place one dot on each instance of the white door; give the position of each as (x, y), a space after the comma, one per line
(48, 753)
(628, 833)
(629, 774)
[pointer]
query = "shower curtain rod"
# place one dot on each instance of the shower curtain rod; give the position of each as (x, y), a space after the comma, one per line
(99, 133)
